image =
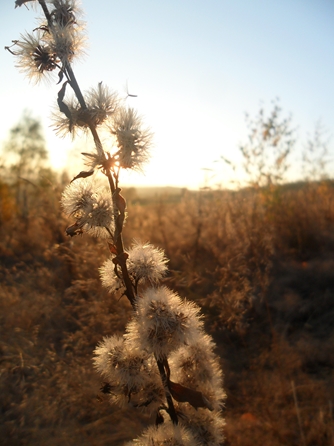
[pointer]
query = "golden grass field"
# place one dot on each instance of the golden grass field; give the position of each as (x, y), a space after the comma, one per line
(260, 263)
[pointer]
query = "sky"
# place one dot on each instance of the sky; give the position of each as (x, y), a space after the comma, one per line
(197, 67)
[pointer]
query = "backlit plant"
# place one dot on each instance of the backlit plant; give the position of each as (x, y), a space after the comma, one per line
(164, 364)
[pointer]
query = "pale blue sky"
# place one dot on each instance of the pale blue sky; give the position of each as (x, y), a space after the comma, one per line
(196, 67)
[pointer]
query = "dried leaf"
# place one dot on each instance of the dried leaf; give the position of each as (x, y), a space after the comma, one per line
(62, 106)
(121, 258)
(106, 388)
(112, 248)
(21, 2)
(119, 200)
(159, 419)
(60, 76)
(83, 174)
(183, 394)
(73, 230)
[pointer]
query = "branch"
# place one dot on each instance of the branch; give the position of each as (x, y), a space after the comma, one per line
(46, 11)
(171, 409)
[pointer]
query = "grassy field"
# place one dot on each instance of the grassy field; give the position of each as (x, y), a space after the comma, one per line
(260, 263)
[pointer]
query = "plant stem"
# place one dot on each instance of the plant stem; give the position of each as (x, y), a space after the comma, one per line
(119, 242)
(46, 11)
(171, 408)
(74, 84)
(302, 436)
(67, 66)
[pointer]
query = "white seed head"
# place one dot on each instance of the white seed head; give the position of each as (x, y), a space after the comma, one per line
(79, 118)
(35, 57)
(166, 434)
(163, 322)
(147, 262)
(132, 373)
(64, 12)
(148, 399)
(207, 427)
(109, 278)
(133, 141)
(77, 198)
(66, 42)
(52, 44)
(91, 207)
(196, 366)
(102, 102)
(120, 363)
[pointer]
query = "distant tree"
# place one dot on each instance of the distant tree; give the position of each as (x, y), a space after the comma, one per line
(24, 157)
(315, 155)
(265, 153)
(25, 151)
(7, 203)
(270, 142)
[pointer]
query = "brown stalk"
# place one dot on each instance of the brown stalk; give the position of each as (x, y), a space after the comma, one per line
(46, 11)
(77, 91)
(119, 240)
(164, 378)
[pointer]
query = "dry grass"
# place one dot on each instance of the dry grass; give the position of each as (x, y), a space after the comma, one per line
(260, 265)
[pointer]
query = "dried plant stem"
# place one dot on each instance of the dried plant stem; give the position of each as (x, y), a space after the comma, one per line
(77, 91)
(99, 148)
(45, 10)
(119, 240)
(67, 68)
(165, 330)
(120, 247)
(298, 413)
(171, 409)
(74, 84)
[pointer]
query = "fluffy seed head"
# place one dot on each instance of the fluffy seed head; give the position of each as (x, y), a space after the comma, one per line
(132, 140)
(148, 399)
(34, 57)
(66, 42)
(101, 104)
(64, 12)
(52, 44)
(196, 366)
(118, 362)
(132, 373)
(165, 434)
(109, 278)
(91, 207)
(163, 322)
(147, 262)
(79, 118)
(207, 427)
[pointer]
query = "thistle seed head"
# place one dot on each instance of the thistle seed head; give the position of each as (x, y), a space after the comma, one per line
(91, 207)
(163, 322)
(147, 262)
(166, 434)
(133, 141)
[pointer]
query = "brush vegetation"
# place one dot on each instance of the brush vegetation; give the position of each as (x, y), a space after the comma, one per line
(255, 265)
(259, 262)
